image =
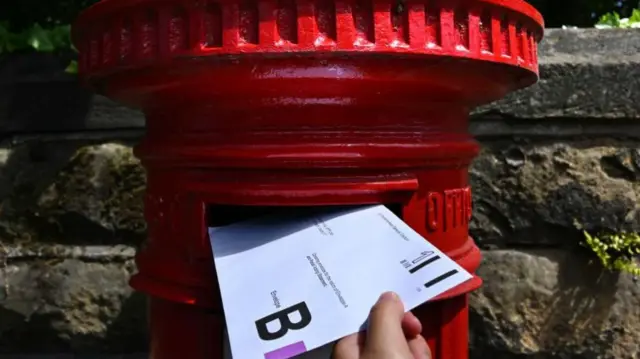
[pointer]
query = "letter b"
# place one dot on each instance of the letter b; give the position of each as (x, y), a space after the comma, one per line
(285, 323)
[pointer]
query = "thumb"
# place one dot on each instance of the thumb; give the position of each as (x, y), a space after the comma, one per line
(385, 325)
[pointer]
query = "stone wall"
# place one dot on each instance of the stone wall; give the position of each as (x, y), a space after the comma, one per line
(565, 151)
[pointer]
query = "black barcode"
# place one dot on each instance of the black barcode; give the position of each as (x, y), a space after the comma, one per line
(423, 264)
(440, 278)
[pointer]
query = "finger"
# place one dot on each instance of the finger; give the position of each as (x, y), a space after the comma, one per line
(419, 348)
(385, 323)
(411, 326)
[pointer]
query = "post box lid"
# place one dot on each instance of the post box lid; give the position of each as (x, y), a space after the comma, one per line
(493, 39)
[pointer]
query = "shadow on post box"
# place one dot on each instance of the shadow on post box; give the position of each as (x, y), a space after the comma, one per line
(223, 215)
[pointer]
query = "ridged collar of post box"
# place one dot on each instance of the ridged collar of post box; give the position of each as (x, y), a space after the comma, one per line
(119, 35)
(298, 66)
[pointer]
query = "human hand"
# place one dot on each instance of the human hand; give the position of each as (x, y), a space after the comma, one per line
(392, 334)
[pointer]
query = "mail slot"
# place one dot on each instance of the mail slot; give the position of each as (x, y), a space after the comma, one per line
(252, 105)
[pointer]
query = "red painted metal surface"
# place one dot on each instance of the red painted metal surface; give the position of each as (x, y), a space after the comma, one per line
(301, 103)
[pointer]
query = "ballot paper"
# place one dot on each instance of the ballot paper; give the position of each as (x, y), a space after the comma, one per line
(293, 283)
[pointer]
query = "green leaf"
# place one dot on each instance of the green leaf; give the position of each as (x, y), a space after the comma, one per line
(612, 19)
(60, 36)
(616, 251)
(72, 68)
(40, 39)
(35, 38)
(635, 16)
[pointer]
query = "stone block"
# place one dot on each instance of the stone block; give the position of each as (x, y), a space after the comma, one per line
(551, 304)
(543, 193)
(585, 74)
(71, 192)
(70, 299)
(36, 95)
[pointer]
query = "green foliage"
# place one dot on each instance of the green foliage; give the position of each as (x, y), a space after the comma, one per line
(617, 252)
(72, 68)
(581, 13)
(613, 20)
(24, 14)
(34, 38)
(38, 25)
(37, 38)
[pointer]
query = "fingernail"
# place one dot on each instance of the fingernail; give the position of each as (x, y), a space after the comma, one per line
(389, 296)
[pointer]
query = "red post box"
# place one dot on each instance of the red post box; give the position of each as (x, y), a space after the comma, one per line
(256, 104)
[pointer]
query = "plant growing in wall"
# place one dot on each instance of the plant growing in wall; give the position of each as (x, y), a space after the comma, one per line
(613, 20)
(40, 90)
(617, 252)
(38, 39)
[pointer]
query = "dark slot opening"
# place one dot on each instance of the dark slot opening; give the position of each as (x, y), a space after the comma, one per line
(222, 215)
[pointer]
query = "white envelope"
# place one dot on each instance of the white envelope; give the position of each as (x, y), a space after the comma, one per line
(290, 284)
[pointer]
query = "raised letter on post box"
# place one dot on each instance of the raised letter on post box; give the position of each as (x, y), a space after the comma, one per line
(285, 323)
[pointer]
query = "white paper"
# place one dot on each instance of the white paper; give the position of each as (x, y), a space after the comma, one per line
(292, 284)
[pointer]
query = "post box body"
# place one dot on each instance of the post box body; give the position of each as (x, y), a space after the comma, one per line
(256, 105)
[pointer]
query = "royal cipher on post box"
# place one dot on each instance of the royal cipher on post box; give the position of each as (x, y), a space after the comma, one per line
(255, 105)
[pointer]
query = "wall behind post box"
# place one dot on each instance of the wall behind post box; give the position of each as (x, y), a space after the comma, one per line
(565, 151)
